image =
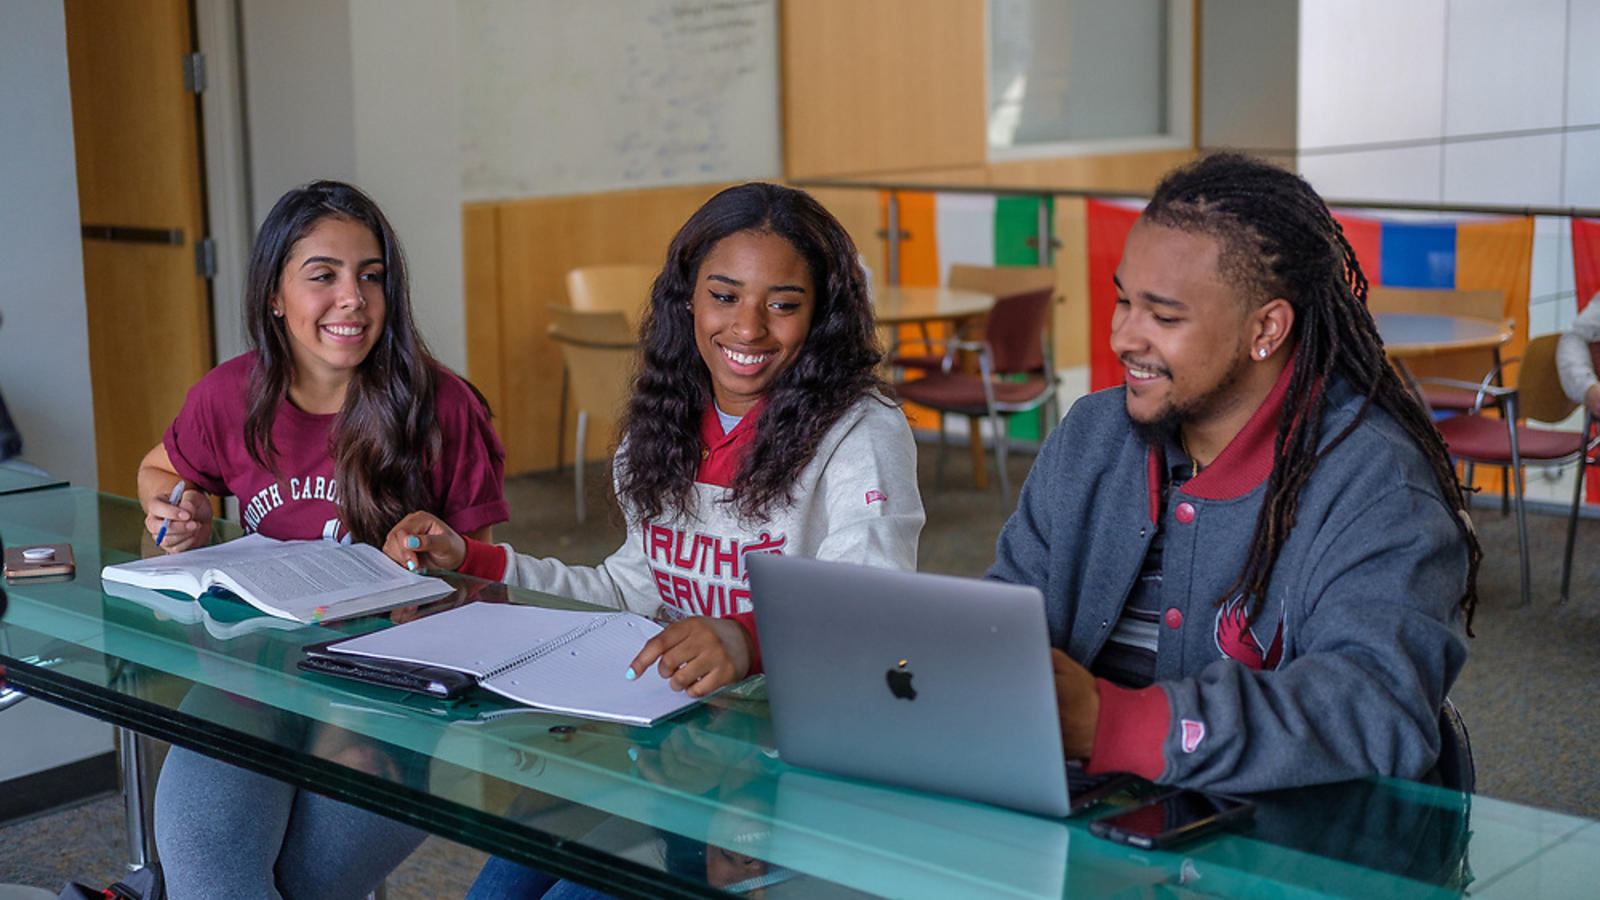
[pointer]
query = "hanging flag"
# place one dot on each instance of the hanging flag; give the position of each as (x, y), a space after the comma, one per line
(1366, 239)
(1586, 280)
(1108, 225)
(1586, 259)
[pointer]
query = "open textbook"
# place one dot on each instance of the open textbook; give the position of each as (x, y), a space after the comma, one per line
(307, 581)
(222, 615)
(560, 660)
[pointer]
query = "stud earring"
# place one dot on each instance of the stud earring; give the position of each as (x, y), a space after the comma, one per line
(1261, 352)
(277, 312)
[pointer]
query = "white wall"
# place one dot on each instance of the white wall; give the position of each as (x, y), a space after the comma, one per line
(1458, 101)
(44, 341)
(364, 91)
(408, 151)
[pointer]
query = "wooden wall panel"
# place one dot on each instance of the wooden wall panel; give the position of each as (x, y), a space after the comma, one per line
(480, 257)
(1132, 172)
(1071, 323)
(535, 242)
(880, 87)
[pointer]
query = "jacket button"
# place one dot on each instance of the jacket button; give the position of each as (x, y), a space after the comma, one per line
(1184, 512)
(1174, 618)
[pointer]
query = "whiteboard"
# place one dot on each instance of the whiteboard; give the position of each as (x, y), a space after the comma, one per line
(584, 96)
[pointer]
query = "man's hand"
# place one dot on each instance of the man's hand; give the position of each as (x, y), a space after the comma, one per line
(698, 654)
(1078, 702)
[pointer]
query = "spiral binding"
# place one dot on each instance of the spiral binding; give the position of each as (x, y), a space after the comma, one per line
(552, 645)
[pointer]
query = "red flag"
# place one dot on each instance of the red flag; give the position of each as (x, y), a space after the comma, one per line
(1109, 224)
(1586, 258)
(1366, 239)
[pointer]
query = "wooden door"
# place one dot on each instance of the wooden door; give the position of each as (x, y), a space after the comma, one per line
(141, 200)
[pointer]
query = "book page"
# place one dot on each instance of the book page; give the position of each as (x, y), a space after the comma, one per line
(307, 581)
(186, 571)
(320, 581)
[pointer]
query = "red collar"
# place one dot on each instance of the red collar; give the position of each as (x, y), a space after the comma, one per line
(1245, 462)
(722, 454)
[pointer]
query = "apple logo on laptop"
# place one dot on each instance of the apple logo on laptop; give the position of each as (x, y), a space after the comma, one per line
(900, 682)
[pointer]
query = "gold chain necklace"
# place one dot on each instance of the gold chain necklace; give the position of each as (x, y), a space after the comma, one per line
(1193, 463)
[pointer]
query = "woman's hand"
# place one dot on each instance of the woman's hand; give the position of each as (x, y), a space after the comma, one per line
(423, 541)
(188, 522)
(697, 655)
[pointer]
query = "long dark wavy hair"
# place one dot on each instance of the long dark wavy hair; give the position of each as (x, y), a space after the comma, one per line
(836, 365)
(386, 435)
(1278, 239)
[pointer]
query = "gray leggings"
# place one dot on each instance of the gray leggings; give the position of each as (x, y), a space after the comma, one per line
(223, 831)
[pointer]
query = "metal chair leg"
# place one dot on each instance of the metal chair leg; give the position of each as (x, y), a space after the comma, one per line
(1572, 519)
(998, 425)
(577, 460)
(1522, 531)
(1572, 529)
(141, 839)
(1516, 478)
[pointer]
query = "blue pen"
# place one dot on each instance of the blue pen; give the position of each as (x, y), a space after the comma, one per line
(177, 494)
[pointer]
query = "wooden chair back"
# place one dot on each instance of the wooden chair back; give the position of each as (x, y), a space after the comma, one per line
(598, 349)
(1539, 393)
(613, 287)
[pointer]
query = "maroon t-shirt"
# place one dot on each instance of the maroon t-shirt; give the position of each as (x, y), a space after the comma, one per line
(207, 447)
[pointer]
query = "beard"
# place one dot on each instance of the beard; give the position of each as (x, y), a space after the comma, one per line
(1163, 426)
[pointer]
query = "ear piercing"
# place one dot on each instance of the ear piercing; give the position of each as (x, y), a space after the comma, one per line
(1261, 352)
(277, 312)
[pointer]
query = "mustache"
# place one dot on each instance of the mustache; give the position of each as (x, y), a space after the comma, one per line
(1131, 363)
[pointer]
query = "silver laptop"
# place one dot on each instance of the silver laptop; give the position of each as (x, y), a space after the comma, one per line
(928, 681)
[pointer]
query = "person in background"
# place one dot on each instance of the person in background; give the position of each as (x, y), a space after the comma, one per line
(1255, 554)
(1575, 363)
(334, 424)
(757, 424)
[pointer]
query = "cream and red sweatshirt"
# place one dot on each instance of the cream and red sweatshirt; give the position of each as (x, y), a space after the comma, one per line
(855, 501)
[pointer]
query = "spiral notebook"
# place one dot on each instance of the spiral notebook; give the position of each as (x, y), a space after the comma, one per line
(564, 661)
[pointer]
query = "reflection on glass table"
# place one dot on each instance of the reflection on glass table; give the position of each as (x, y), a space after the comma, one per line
(699, 806)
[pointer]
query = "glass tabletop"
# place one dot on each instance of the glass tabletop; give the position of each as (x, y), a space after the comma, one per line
(14, 480)
(699, 806)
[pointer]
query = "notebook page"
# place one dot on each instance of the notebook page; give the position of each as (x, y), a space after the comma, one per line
(585, 676)
(477, 638)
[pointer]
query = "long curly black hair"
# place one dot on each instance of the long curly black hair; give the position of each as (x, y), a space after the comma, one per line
(836, 366)
(386, 435)
(1279, 239)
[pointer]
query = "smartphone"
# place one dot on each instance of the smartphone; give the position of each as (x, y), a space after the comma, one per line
(1172, 817)
(39, 561)
(1088, 790)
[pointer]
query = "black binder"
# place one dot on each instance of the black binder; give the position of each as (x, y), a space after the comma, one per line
(435, 681)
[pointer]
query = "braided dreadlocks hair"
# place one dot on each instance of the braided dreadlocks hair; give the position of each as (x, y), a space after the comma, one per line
(1277, 239)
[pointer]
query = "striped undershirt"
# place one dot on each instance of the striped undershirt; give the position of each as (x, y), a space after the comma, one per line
(1128, 658)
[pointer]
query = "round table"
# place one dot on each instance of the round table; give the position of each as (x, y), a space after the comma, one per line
(898, 304)
(1427, 334)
